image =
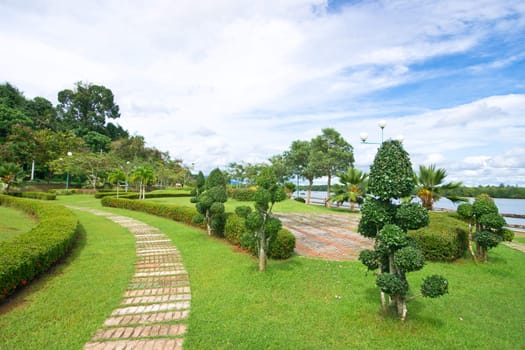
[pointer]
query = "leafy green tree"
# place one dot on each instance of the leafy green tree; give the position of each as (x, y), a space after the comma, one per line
(9, 172)
(143, 176)
(486, 225)
(353, 187)
(261, 222)
(43, 113)
(395, 255)
(431, 187)
(116, 177)
(12, 110)
(280, 165)
(331, 154)
(300, 160)
(87, 108)
(210, 202)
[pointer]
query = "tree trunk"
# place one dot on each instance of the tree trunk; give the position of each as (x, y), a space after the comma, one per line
(208, 222)
(401, 307)
(383, 295)
(328, 192)
(309, 193)
(262, 250)
(470, 248)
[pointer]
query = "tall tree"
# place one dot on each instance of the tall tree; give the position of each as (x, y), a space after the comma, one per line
(87, 108)
(430, 185)
(142, 175)
(300, 159)
(331, 154)
(391, 178)
(12, 110)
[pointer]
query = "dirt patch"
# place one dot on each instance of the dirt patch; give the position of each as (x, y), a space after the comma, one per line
(326, 236)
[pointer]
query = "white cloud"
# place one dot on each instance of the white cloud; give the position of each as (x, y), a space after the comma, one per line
(221, 81)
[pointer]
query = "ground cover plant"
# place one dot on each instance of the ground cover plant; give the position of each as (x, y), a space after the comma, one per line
(298, 303)
(14, 222)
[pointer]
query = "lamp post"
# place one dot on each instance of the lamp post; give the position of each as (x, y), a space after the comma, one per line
(364, 136)
(69, 154)
(127, 175)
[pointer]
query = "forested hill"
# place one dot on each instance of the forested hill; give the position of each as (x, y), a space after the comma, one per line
(78, 135)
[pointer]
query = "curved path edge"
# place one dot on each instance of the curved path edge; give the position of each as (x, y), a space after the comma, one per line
(157, 300)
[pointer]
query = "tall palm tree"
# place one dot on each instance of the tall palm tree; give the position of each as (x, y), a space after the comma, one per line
(353, 187)
(430, 184)
(116, 177)
(142, 175)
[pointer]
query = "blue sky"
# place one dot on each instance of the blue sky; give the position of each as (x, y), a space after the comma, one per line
(215, 82)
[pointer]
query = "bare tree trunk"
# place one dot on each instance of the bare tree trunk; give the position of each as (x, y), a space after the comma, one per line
(401, 307)
(262, 245)
(383, 295)
(208, 222)
(470, 248)
(328, 192)
(309, 193)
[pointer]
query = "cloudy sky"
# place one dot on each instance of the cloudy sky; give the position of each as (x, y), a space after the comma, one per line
(219, 81)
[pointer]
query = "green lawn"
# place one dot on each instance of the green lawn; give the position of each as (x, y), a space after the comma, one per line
(286, 206)
(63, 309)
(297, 304)
(14, 222)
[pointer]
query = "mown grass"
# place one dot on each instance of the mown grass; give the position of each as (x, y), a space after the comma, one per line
(312, 304)
(14, 222)
(62, 309)
(286, 206)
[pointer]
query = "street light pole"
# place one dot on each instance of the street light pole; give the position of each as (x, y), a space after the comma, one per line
(69, 154)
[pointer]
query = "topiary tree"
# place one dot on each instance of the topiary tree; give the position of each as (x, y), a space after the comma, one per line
(485, 226)
(210, 202)
(395, 254)
(261, 222)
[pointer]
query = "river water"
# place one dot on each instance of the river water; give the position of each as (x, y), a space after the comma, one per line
(505, 205)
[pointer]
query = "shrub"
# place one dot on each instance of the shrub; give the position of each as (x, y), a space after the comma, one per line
(26, 256)
(135, 195)
(243, 211)
(235, 228)
(300, 199)
(283, 245)
(174, 212)
(241, 194)
(40, 195)
(506, 234)
(447, 245)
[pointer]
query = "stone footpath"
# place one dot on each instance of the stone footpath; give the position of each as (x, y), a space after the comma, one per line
(326, 236)
(157, 301)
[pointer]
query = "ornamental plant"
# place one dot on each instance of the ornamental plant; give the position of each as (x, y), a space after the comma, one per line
(395, 254)
(485, 226)
(210, 203)
(261, 223)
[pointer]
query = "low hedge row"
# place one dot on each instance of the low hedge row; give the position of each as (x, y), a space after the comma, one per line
(40, 195)
(170, 211)
(135, 195)
(35, 195)
(28, 255)
(241, 194)
(235, 231)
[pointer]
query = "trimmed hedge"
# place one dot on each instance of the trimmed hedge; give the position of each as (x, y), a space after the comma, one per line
(28, 255)
(241, 194)
(135, 195)
(235, 231)
(36, 195)
(170, 211)
(442, 246)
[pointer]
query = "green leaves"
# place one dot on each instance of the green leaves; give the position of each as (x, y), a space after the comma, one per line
(391, 284)
(391, 175)
(434, 286)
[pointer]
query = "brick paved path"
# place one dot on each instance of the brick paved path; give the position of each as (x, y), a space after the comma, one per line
(157, 300)
(326, 236)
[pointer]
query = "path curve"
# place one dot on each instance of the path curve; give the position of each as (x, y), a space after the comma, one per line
(157, 301)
